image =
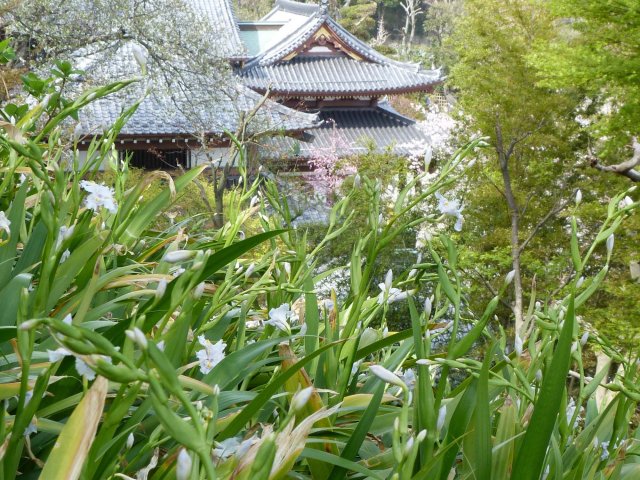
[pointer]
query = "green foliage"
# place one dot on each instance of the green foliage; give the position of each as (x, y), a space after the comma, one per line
(595, 48)
(439, 20)
(359, 18)
(181, 354)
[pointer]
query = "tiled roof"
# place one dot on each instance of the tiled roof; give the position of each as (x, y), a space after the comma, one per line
(335, 75)
(302, 74)
(349, 132)
(220, 16)
(202, 108)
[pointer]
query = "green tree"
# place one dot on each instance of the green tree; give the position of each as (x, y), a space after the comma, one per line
(524, 122)
(596, 47)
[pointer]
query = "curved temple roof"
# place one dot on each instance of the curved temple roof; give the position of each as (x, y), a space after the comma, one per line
(352, 131)
(320, 57)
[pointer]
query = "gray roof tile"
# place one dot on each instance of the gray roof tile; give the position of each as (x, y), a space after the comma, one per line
(201, 108)
(335, 75)
(350, 132)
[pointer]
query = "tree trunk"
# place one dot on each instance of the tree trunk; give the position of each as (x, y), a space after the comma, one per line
(503, 160)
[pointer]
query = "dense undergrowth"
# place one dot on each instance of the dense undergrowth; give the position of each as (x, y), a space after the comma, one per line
(130, 352)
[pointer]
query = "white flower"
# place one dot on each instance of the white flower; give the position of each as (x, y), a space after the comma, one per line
(84, 369)
(160, 345)
(625, 202)
(5, 223)
(281, 317)
(64, 234)
(579, 282)
(442, 416)
(610, 241)
(233, 446)
(99, 196)
(58, 354)
(578, 197)
(130, 440)
(570, 412)
(387, 376)
(184, 464)
(391, 296)
(452, 208)
(605, 451)
(65, 256)
(210, 355)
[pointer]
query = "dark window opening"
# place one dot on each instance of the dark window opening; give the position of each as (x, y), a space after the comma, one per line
(158, 159)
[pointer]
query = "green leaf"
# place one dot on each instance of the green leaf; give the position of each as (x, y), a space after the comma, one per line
(265, 395)
(359, 434)
(533, 450)
(67, 457)
(10, 295)
(331, 459)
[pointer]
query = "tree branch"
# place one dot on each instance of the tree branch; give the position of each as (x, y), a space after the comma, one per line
(554, 211)
(626, 169)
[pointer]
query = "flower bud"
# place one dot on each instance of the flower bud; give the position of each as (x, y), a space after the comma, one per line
(539, 375)
(388, 280)
(610, 241)
(183, 467)
(161, 288)
(427, 308)
(137, 337)
(249, 270)
(386, 376)
(578, 197)
(357, 181)
(509, 278)
(579, 282)
(584, 338)
(178, 256)
(409, 446)
(518, 344)
(130, 440)
(198, 291)
(300, 399)
(421, 436)
(442, 416)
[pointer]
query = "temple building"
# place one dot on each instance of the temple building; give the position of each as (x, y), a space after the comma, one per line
(326, 89)
(304, 59)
